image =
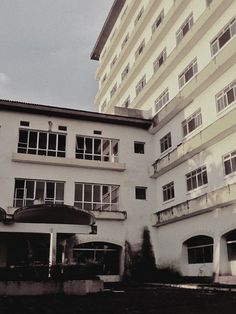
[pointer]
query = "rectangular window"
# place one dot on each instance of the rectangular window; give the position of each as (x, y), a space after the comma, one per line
(223, 37)
(192, 122)
(139, 16)
(140, 49)
(29, 192)
(41, 143)
(196, 178)
(126, 102)
(113, 62)
(184, 28)
(158, 21)
(24, 123)
(140, 85)
(168, 191)
(104, 78)
(139, 147)
(226, 97)
(113, 90)
(93, 196)
(229, 163)
(162, 100)
(125, 41)
(140, 193)
(159, 60)
(125, 72)
(200, 254)
(189, 72)
(96, 148)
(165, 142)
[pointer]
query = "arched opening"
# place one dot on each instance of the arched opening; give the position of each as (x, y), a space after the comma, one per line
(198, 256)
(104, 256)
(230, 238)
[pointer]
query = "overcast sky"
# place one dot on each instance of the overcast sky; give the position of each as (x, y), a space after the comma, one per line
(45, 50)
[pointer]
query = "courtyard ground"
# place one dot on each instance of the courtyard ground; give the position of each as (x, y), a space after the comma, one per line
(135, 300)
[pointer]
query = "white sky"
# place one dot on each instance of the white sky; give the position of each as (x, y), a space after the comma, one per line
(45, 48)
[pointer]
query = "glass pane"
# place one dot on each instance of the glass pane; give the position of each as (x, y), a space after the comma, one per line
(33, 139)
(30, 189)
(230, 96)
(78, 192)
(114, 149)
(97, 193)
(88, 192)
(80, 143)
(59, 191)
(227, 167)
(52, 141)
(62, 142)
(23, 137)
(40, 186)
(42, 140)
(88, 142)
(105, 194)
(224, 38)
(114, 194)
(234, 163)
(97, 146)
(50, 190)
(188, 74)
(191, 125)
(106, 149)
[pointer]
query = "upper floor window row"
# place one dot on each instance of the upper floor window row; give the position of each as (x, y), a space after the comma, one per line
(188, 73)
(192, 122)
(184, 28)
(159, 60)
(223, 37)
(196, 178)
(95, 148)
(226, 96)
(158, 21)
(42, 143)
(162, 100)
(140, 85)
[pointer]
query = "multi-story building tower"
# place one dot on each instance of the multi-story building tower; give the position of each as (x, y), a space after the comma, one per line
(175, 61)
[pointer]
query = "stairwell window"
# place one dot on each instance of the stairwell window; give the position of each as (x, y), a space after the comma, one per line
(140, 49)
(189, 72)
(162, 100)
(140, 85)
(226, 97)
(158, 21)
(196, 178)
(229, 163)
(165, 142)
(159, 60)
(113, 90)
(192, 122)
(41, 143)
(168, 191)
(125, 72)
(184, 28)
(223, 36)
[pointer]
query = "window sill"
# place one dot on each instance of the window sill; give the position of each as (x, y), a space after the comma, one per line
(168, 201)
(199, 188)
(68, 162)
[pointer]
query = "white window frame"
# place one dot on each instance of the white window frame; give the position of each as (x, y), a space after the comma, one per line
(159, 60)
(140, 49)
(230, 159)
(195, 118)
(197, 178)
(168, 191)
(162, 100)
(215, 43)
(222, 99)
(165, 143)
(106, 202)
(125, 72)
(158, 21)
(141, 84)
(183, 79)
(181, 31)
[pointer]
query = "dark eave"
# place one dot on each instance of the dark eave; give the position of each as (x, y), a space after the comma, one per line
(15, 106)
(107, 28)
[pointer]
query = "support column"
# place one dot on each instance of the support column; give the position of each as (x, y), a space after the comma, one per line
(220, 258)
(53, 248)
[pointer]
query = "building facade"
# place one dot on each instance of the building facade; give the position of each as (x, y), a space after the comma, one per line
(174, 62)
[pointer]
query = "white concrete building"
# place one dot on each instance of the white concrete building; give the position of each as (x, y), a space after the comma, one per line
(174, 60)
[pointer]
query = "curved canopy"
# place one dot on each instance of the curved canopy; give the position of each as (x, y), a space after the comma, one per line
(57, 214)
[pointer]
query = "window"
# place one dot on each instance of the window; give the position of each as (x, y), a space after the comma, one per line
(140, 49)
(188, 73)
(126, 102)
(104, 78)
(113, 62)
(62, 128)
(165, 142)
(103, 106)
(92, 196)
(230, 163)
(159, 60)
(162, 100)
(41, 143)
(139, 16)
(140, 85)
(24, 123)
(113, 90)
(98, 132)
(168, 191)
(95, 148)
(28, 191)
(125, 72)
(231, 245)
(196, 178)
(184, 28)
(158, 21)
(125, 41)
(140, 192)
(223, 37)
(226, 97)
(139, 147)
(192, 122)
(200, 250)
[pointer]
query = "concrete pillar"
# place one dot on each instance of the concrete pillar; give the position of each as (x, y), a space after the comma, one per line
(53, 248)
(220, 258)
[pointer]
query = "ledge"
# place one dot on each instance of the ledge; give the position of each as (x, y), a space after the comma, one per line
(110, 215)
(209, 136)
(68, 162)
(219, 198)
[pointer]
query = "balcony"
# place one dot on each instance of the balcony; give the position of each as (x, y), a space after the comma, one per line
(209, 136)
(219, 198)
